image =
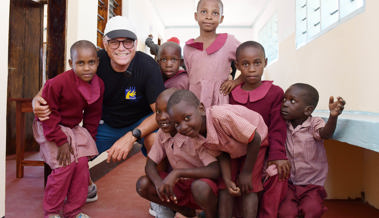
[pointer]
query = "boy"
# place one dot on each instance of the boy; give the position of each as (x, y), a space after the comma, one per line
(189, 185)
(305, 150)
(169, 60)
(234, 131)
(264, 97)
(73, 96)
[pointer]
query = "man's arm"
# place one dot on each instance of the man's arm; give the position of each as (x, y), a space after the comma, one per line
(121, 148)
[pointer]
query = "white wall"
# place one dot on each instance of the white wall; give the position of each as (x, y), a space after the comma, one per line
(4, 23)
(81, 23)
(143, 14)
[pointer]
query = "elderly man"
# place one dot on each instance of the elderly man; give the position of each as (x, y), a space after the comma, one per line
(132, 82)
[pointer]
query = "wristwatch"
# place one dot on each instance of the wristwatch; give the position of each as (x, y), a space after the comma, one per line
(136, 133)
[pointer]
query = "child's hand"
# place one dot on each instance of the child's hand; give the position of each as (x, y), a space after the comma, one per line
(228, 86)
(244, 182)
(336, 107)
(283, 167)
(167, 188)
(64, 154)
(233, 189)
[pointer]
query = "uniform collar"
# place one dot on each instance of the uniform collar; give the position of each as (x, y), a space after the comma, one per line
(179, 139)
(177, 74)
(307, 123)
(242, 96)
(215, 46)
(89, 91)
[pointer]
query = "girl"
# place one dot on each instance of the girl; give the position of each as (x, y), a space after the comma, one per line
(208, 57)
(266, 99)
(73, 96)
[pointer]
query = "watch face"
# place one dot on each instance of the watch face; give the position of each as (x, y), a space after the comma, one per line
(136, 133)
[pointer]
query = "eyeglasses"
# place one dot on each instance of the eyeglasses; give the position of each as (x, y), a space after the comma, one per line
(127, 43)
(164, 60)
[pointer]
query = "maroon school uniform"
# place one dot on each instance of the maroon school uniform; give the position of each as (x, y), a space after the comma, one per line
(71, 101)
(179, 81)
(267, 100)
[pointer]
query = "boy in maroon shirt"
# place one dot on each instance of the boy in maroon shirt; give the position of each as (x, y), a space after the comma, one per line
(73, 96)
(266, 99)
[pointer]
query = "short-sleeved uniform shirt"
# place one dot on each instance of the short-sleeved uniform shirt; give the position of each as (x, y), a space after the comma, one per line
(128, 94)
(230, 128)
(181, 151)
(306, 153)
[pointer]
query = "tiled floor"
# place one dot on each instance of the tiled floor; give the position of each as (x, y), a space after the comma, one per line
(117, 195)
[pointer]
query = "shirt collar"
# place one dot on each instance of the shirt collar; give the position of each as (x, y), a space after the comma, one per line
(242, 96)
(178, 139)
(305, 124)
(89, 91)
(215, 46)
(177, 74)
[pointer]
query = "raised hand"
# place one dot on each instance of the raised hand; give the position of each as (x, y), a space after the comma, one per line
(336, 107)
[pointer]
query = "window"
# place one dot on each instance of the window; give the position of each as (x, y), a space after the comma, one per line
(106, 9)
(315, 17)
(268, 37)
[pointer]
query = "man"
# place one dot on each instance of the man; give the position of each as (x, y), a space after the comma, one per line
(132, 82)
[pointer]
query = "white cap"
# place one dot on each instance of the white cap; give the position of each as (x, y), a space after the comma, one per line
(119, 26)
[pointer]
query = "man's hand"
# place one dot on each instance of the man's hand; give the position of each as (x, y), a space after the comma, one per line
(336, 107)
(121, 148)
(283, 167)
(64, 154)
(40, 108)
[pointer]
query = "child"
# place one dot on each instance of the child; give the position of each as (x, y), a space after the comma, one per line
(73, 96)
(169, 60)
(305, 150)
(234, 130)
(208, 57)
(189, 185)
(266, 99)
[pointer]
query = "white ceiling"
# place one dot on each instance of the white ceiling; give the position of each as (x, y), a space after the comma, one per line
(180, 13)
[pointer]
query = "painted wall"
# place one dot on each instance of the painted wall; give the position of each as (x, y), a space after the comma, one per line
(81, 23)
(144, 15)
(4, 23)
(341, 62)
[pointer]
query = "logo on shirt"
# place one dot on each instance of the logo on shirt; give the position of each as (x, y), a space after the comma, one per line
(130, 93)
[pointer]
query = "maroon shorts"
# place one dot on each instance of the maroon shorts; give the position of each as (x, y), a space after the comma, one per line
(237, 165)
(183, 193)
